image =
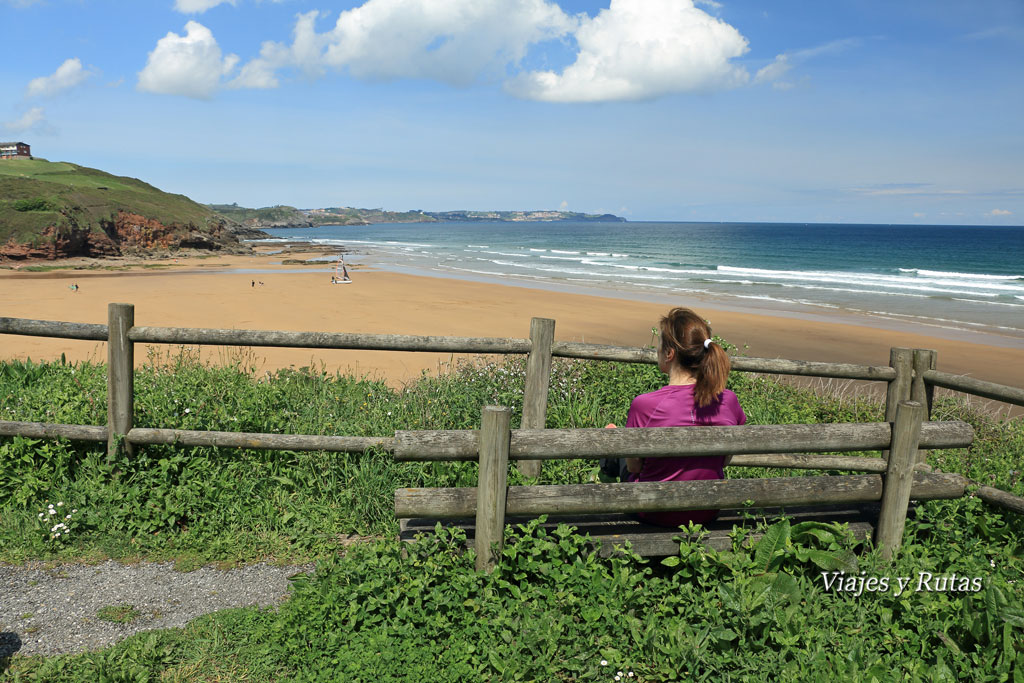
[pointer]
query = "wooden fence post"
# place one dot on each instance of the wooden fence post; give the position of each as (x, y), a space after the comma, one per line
(120, 378)
(923, 393)
(538, 380)
(899, 476)
(492, 486)
(902, 361)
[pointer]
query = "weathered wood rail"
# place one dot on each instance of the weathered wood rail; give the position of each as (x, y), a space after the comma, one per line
(910, 374)
(495, 444)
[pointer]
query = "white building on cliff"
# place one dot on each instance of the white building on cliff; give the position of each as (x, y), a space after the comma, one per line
(15, 150)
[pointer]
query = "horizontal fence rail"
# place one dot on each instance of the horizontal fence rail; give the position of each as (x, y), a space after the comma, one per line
(1003, 499)
(663, 442)
(187, 437)
(50, 328)
(970, 385)
(50, 430)
(778, 366)
(454, 503)
(279, 442)
(802, 461)
(327, 340)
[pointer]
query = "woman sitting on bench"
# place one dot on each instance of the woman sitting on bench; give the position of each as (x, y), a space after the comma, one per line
(697, 369)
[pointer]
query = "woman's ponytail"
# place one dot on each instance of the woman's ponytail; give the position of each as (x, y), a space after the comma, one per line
(690, 337)
(711, 374)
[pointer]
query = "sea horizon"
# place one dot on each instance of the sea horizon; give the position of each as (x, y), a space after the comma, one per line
(961, 282)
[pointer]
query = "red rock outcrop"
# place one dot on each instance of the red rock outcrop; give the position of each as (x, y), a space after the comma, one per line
(125, 233)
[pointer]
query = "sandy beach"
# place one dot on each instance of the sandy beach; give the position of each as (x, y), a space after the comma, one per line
(218, 292)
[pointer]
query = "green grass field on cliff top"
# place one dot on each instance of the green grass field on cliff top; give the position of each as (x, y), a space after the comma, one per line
(64, 173)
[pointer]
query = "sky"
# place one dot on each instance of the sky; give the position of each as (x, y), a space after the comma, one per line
(846, 111)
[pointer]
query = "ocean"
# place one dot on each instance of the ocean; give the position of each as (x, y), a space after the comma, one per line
(957, 281)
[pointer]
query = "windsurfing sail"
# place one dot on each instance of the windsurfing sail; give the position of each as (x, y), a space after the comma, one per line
(341, 278)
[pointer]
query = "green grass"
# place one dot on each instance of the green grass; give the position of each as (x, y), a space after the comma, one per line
(550, 611)
(119, 614)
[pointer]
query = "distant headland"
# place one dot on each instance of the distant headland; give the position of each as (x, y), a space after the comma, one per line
(291, 217)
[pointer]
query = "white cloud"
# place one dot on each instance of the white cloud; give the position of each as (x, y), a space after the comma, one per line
(999, 212)
(190, 65)
(452, 41)
(305, 53)
(68, 75)
(773, 72)
(32, 119)
(198, 6)
(640, 49)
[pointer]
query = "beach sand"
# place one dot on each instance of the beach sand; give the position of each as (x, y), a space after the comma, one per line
(198, 292)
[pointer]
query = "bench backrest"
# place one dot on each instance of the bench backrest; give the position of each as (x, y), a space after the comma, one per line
(894, 482)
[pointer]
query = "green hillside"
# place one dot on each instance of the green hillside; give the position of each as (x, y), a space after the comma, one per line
(37, 194)
(265, 216)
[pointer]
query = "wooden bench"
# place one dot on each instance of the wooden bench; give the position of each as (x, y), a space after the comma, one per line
(875, 504)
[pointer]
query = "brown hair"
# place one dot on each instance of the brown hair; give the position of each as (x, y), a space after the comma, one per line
(684, 331)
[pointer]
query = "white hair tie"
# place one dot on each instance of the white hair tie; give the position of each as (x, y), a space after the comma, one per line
(707, 343)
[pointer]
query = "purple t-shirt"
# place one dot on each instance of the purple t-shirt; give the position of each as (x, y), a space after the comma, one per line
(673, 406)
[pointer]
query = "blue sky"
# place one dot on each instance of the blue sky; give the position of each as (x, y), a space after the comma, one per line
(840, 111)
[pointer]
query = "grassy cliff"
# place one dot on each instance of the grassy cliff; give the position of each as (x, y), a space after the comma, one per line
(59, 209)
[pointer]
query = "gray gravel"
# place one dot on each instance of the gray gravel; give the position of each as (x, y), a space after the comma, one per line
(53, 611)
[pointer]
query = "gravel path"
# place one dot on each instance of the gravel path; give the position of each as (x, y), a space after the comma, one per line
(53, 611)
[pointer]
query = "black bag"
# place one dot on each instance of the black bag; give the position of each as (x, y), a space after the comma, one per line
(615, 468)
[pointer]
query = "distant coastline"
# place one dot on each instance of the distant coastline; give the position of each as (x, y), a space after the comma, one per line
(291, 217)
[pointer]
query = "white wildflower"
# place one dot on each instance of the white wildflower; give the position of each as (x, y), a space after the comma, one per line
(52, 511)
(60, 504)
(67, 516)
(188, 410)
(40, 515)
(604, 662)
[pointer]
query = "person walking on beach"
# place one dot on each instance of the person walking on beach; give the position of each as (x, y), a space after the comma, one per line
(697, 369)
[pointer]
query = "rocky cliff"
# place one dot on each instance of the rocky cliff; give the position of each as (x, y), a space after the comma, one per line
(123, 235)
(58, 210)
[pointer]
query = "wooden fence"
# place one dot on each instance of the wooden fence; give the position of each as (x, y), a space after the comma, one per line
(910, 375)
